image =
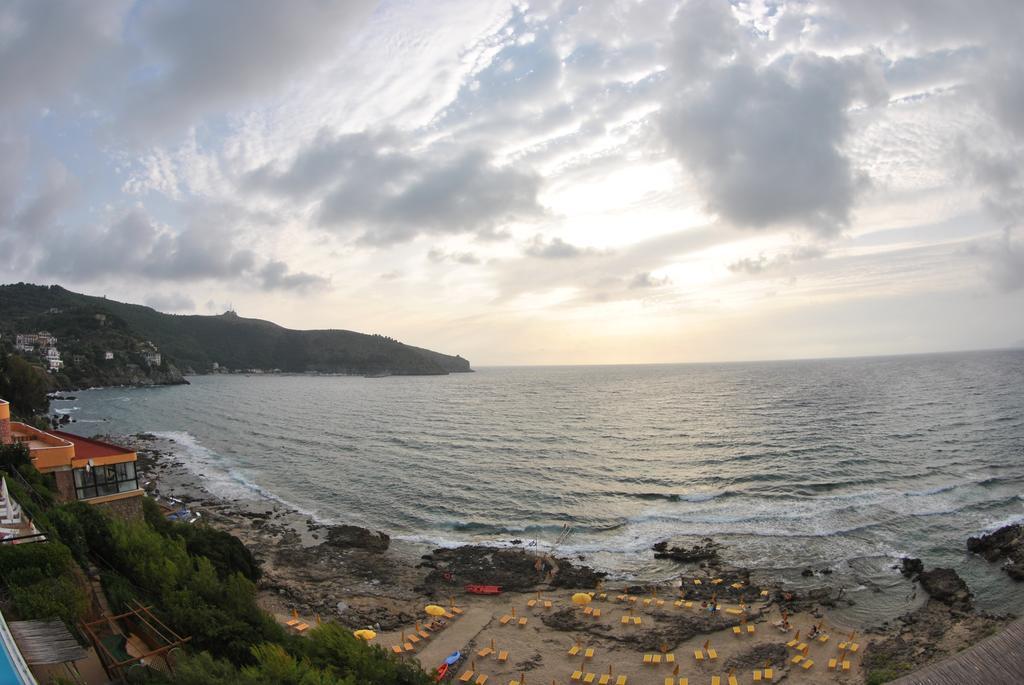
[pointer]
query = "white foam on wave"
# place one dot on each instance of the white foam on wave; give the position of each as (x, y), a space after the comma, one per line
(219, 478)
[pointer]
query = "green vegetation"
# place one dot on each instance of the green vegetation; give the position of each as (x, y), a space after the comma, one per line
(196, 342)
(200, 581)
(24, 385)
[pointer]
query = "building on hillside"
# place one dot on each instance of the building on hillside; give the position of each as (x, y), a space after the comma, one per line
(28, 342)
(92, 471)
(151, 354)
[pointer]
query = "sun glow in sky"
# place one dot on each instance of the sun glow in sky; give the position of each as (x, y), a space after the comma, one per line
(530, 182)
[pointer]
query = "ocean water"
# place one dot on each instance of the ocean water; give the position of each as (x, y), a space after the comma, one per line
(844, 464)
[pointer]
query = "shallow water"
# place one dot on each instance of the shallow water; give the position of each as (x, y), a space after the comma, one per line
(846, 464)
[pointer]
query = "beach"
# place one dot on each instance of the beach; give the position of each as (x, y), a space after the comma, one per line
(365, 579)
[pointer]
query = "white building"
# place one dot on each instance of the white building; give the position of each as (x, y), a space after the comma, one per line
(107, 356)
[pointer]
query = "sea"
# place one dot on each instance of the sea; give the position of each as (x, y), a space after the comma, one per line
(841, 466)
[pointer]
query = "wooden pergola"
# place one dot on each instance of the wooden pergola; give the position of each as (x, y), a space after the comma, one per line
(146, 625)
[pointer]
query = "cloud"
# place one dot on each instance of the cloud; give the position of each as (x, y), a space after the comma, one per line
(201, 57)
(556, 248)
(275, 275)
(438, 256)
(371, 184)
(762, 263)
(764, 141)
(48, 46)
(646, 280)
(170, 302)
(1003, 259)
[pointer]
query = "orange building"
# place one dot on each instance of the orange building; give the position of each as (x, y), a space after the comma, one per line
(89, 470)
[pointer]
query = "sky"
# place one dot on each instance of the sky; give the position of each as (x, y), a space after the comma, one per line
(530, 182)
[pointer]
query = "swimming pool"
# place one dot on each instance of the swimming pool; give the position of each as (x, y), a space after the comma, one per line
(13, 669)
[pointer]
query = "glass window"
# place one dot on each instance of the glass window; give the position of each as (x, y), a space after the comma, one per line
(105, 480)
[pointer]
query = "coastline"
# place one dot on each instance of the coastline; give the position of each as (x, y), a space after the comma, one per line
(364, 578)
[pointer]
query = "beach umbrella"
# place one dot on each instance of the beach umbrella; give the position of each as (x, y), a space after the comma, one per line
(365, 634)
(453, 658)
(434, 610)
(581, 598)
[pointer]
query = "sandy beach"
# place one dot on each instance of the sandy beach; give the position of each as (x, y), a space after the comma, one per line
(648, 633)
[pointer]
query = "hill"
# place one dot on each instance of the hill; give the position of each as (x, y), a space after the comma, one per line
(89, 326)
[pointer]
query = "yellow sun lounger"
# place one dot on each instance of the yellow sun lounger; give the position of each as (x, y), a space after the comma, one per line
(768, 673)
(504, 619)
(750, 628)
(603, 680)
(794, 642)
(597, 613)
(301, 627)
(397, 649)
(807, 664)
(678, 603)
(589, 610)
(625, 620)
(712, 654)
(413, 639)
(486, 651)
(481, 679)
(621, 680)
(503, 656)
(733, 681)
(636, 620)
(696, 581)
(576, 675)
(647, 602)
(589, 654)
(466, 677)
(736, 630)
(657, 658)
(407, 646)
(574, 650)
(532, 603)
(832, 663)
(757, 676)
(423, 634)
(823, 639)
(670, 658)
(698, 654)
(547, 603)
(648, 658)
(854, 647)
(797, 659)
(457, 611)
(846, 665)
(603, 595)
(522, 622)
(734, 612)
(589, 678)
(716, 680)
(669, 680)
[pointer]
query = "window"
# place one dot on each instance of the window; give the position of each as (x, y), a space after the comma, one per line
(105, 480)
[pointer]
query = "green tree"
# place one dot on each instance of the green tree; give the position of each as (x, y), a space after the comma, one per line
(24, 386)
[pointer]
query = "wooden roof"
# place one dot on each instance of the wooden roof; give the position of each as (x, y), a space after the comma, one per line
(46, 642)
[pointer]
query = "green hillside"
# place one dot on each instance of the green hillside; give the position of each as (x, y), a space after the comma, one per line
(195, 343)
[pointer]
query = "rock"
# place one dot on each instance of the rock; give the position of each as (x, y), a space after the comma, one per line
(355, 536)
(1008, 543)
(756, 656)
(807, 573)
(513, 569)
(910, 567)
(706, 550)
(946, 586)
(342, 607)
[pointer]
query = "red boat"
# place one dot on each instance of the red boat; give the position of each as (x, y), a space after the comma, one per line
(483, 589)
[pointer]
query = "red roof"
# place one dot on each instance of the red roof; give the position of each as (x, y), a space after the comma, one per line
(86, 448)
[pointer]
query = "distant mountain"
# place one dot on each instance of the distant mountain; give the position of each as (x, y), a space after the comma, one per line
(90, 326)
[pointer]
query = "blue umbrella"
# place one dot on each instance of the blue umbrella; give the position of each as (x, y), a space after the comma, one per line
(453, 658)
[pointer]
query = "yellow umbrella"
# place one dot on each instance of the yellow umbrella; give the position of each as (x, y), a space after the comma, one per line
(365, 634)
(434, 610)
(581, 598)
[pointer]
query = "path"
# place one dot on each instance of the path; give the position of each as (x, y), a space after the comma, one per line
(997, 660)
(454, 637)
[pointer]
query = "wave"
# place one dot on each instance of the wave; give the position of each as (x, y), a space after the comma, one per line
(220, 479)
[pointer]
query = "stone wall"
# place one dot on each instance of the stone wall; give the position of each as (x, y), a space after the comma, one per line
(128, 509)
(65, 482)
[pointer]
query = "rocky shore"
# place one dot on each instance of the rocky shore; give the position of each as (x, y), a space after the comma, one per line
(362, 577)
